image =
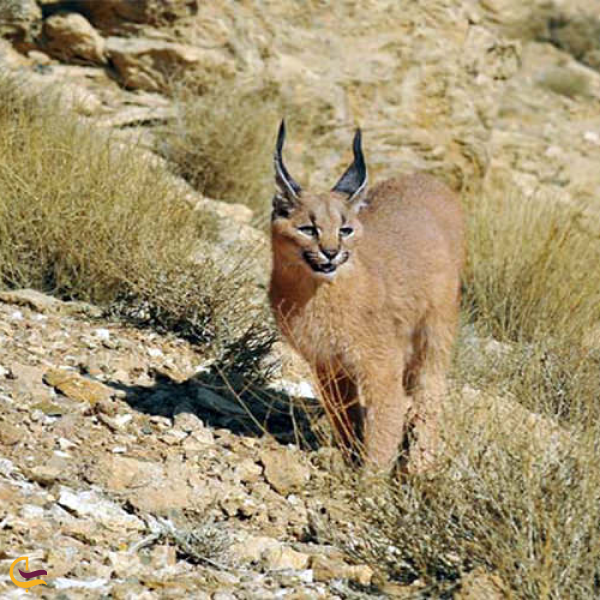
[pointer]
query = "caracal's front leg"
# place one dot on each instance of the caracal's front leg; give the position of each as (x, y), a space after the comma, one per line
(425, 424)
(429, 395)
(386, 404)
(340, 399)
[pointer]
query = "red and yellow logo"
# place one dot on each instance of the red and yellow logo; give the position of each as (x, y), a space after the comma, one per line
(26, 575)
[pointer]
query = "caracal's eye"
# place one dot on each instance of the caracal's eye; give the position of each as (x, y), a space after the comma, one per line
(309, 231)
(346, 231)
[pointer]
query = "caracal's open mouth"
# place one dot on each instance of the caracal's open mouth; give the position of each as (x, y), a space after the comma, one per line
(327, 268)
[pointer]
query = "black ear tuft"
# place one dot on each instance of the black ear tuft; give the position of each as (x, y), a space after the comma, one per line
(354, 180)
(283, 179)
(282, 207)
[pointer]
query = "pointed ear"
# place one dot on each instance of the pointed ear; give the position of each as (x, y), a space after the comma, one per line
(353, 182)
(288, 188)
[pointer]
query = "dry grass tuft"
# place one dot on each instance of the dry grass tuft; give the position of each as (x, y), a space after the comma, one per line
(78, 215)
(516, 493)
(84, 219)
(526, 513)
(207, 543)
(532, 269)
(222, 142)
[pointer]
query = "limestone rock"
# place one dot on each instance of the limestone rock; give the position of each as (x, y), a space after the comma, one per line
(327, 568)
(91, 504)
(70, 37)
(248, 471)
(185, 418)
(28, 381)
(163, 556)
(239, 213)
(282, 557)
(124, 563)
(9, 434)
(55, 469)
(147, 64)
(284, 471)
(76, 387)
(10, 58)
(31, 299)
(480, 584)
(39, 58)
(148, 485)
(119, 15)
(20, 21)
(484, 412)
(252, 548)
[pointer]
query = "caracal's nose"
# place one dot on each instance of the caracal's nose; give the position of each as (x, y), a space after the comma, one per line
(329, 253)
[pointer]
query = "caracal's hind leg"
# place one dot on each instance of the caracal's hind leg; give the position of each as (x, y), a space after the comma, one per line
(340, 399)
(386, 405)
(429, 390)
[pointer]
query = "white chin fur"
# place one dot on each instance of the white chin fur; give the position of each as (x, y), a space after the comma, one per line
(324, 276)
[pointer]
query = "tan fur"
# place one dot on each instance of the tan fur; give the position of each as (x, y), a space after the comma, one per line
(379, 332)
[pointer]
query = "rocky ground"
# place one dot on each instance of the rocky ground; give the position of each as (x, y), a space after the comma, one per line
(126, 471)
(124, 475)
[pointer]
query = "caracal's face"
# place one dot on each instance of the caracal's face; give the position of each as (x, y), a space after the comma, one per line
(319, 233)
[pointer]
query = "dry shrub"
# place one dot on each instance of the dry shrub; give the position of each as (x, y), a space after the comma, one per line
(525, 512)
(508, 498)
(77, 213)
(516, 493)
(532, 269)
(83, 218)
(222, 142)
(532, 283)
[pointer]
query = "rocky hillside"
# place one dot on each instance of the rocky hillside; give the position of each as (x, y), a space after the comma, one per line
(111, 482)
(465, 89)
(129, 467)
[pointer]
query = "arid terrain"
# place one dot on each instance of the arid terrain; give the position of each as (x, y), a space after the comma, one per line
(157, 439)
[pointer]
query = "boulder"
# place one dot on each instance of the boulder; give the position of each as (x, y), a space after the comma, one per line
(32, 299)
(76, 387)
(119, 15)
(20, 22)
(284, 471)
(326, 568)
(92, 504)
(281, 557)
(149, 64)
(70, 36)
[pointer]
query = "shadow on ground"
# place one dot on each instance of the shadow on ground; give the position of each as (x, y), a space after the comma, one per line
(230, 401)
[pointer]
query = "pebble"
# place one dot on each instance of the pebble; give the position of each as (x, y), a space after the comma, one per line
(65, 444)
(102, 334)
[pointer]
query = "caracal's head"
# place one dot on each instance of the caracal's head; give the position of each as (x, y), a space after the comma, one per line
(318, 231)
